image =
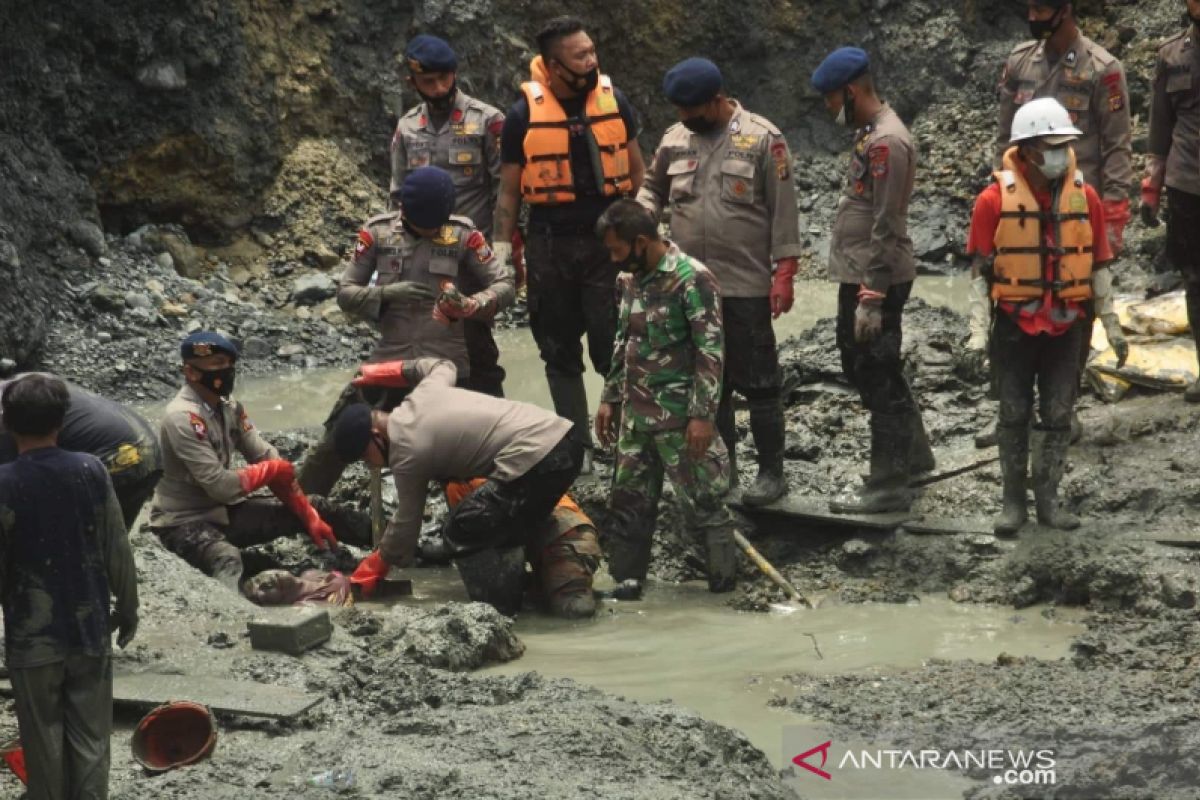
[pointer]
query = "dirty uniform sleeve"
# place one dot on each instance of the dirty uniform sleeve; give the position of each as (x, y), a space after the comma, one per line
(491, 144)
(781, 200)
(1116, 148)
(200, 459)
(653, 194)
(481, 264)
(614, 382)
(118, 557)
(1162, 114)
(435, 370)
(702, 305)
(399, 162)
(1006, 97)
(355, 294)
(249, 443)
(888, 162)
(398, 544)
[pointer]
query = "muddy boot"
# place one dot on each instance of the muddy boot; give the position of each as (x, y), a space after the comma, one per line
(1192, 393)
(1076, 428)
(628, 589)
(581, 605)
(767, 427)
(495, 577)
(986, 437)
(1049, 462)
(920, 457)
(1014, 465)
(321, 467)
(721, 564)
(565, 572)
(627, 549)
(886, 488)
(570, 402)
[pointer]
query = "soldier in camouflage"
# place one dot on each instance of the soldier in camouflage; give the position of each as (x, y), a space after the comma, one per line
(662, 394)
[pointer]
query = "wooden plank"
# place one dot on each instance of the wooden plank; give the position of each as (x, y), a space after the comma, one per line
(1188, 539)
(947, 526)
(816, 512)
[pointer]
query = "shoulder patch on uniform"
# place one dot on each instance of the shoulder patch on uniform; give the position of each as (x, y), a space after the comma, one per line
(244, 420)
(496, 126)
(364, 243)
(878, 154)
(478, 242)
(198, 425)
(779, 154)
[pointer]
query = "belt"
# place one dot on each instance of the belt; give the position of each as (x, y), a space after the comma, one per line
(562, 229)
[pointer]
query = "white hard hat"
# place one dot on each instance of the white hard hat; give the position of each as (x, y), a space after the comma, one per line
(1043, 118)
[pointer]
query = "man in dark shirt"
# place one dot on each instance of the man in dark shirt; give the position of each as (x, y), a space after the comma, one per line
(117, 435)
(63, 550)
(569, 149)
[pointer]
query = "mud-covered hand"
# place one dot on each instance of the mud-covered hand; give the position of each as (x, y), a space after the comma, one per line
(606, 423)
(782, 290)
(453, 304)
(981, 314)
(407, 292)
(274, 470)
(393, 374)
(1116, 216)
(868, 316)
(1151, 197)
(370, 571)
(294, 499)
(1116, 337)
(699, 437)
(126, 628)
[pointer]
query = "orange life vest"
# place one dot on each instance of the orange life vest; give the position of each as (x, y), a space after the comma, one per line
(567, 513)
(546, 178)
(1019, 272)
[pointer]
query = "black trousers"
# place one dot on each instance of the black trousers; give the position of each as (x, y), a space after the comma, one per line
(487, 376)
(874, 368)
(1183, 237)
(1021, 362)
(501, 514)
(751, 355)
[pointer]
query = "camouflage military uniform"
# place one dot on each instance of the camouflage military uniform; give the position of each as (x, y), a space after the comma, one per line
(667, 364)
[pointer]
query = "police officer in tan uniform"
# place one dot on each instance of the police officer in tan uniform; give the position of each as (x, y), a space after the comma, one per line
(871, 257)
(460, 134)
(201, 510)
(1174, 162)
(726, 176)
(420, 257)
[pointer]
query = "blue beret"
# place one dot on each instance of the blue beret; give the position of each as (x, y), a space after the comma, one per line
(840, 68)
(692, 82)
(428, 53)
(199, 344)
(352, 432)
(427, 197)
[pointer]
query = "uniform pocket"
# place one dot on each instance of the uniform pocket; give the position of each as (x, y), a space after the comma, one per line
(464, 163)
(442, 267)
(419, 157)
(664, 327)
(737, 181)
(1179, 82)
(683, 177)
(1078, 104)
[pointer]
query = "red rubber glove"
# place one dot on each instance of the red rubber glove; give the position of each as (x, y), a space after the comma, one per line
(518, 258)
(370, 571)
(294, 499)
(1116, 216)
(1151, 197)
(387, 373)
(782, 293)
(263, 473)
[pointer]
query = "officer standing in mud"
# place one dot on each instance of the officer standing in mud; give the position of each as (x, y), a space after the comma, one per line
(871, 257)
(460, 134)
(726, 176)
(1174, 162)
(660, 401)
(120, 437)
(201, 509)
(420, 257)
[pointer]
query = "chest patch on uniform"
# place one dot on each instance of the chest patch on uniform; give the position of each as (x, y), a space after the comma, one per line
(456, 115)
(739, 188)
(364, 243)
(744, 141)
(741, 155)
(464, 157)
(444, 252)
(879, 161)
(478, 242)
(859, 187)
(246, 424)
(779, 154)
(1070, 58)
(446, 236)
(466, 129)
(198, 425)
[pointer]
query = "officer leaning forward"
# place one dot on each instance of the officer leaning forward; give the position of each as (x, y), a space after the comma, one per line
(419, 256)
(725, 174)
(201, 509)
(460, 134)
(871, 257)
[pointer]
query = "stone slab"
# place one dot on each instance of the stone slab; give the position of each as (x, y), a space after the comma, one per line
(816, 512)
(290, 630)
(947, 527)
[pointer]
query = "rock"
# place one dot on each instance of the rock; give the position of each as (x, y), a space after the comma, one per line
(163, 75)
(311, 289)
(7, 366)
(334, 316)
(172, 310)
(323, 256)
(104, 337)
(187, 261)
(88, 236)
(256, 347)
(136, 300)
(241, 276)
(288, 350)
(107, 298)
(155, 287)
(164, 262)
(456, 636)
(303, 313)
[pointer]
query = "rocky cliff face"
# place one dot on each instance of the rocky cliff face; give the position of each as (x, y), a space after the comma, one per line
(261, 127)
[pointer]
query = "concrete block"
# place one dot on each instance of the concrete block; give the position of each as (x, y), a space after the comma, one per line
(291, 630)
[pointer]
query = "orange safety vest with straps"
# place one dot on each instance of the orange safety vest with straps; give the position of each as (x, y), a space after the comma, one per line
(546, 178)
(1019, 273)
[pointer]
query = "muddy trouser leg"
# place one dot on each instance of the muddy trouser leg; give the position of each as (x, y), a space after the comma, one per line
(727, 429)
(1183, 251)
(204, 546)
(752, 370)
(700, 484)
(487, 376)
(1058, 385)
(564, 559)
(134, 487)
(64, 714)
(260, 520)
(1014, 365)
(633, 504)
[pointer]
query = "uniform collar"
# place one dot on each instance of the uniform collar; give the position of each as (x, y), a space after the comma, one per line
(873, 125)
(457, 114)
(668, 264)
(192, 396)
(1071, 57)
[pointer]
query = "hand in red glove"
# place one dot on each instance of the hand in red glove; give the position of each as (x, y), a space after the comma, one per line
(393, 374)
(1151, 197)
(293, 497)
(782, 293)
(259, 475)
(518, 259)
(1116, 216)
(370, 571)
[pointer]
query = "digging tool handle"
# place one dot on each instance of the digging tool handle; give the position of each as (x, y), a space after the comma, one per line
(769, 570)
(376, 485)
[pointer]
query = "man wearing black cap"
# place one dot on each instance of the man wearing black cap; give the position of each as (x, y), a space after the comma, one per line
(871, 257)
(440, 433)
(200, 510)
(460, 134)
(419, 258)
(569, 149)
(726, 175)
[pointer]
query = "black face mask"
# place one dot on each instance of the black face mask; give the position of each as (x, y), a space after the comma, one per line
(1195, 20)
(443, 104)
(634, 262)
(1043, 29)
(218, 381)
(590, 79)
(700, 125)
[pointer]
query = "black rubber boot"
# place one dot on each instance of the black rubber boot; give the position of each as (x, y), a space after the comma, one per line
(768, 428)
(920, 457)
(1049, 463)
(627, 547)
(1014, 466)
(886, 488)
(722, 559)
(986, 437)
(1192, 393)
(495, 577)
(570, 402)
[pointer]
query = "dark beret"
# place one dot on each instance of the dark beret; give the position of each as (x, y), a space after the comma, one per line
(427, 197)
(199, 344)
(840, 68)
(352, 432)
(692, 82)
(428, 53)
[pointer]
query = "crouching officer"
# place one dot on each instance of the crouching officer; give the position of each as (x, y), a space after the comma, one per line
(662, 394)
(871, 258)
(419, 257)
(1042, 226)
(201, 511)
(441, 433)
(120, 437)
